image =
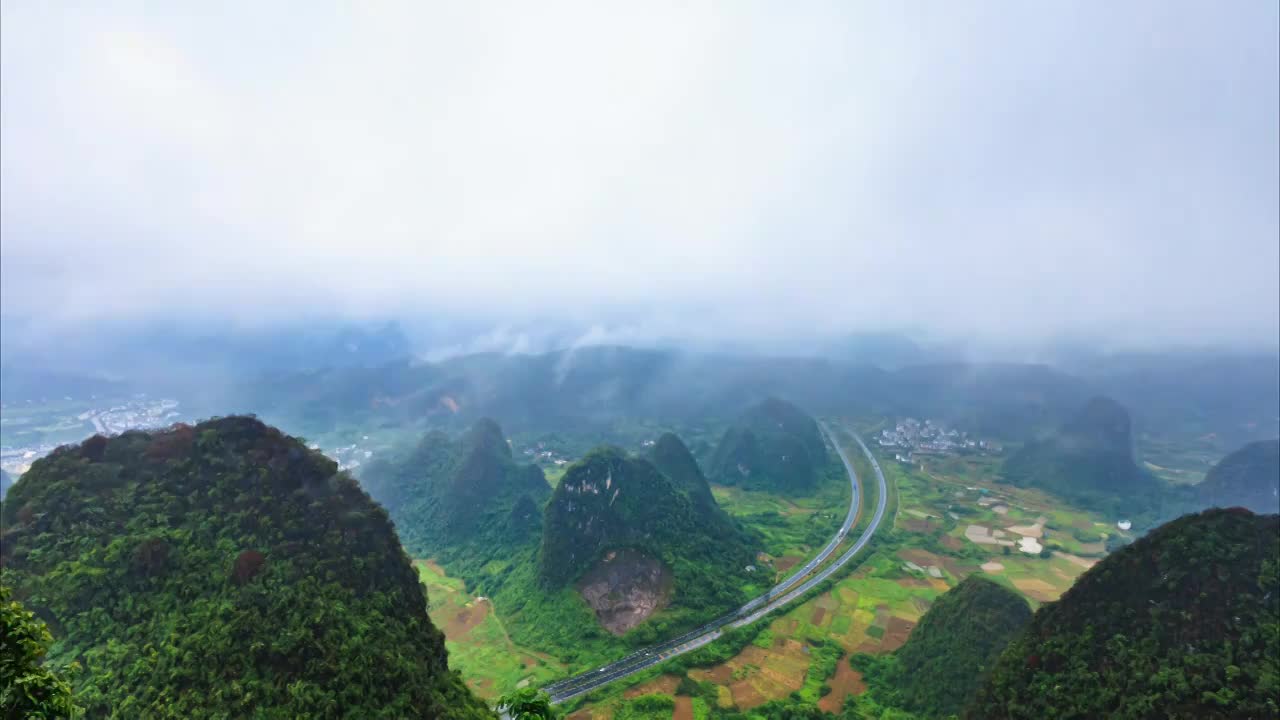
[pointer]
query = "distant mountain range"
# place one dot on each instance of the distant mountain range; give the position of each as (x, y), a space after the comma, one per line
(312, 377)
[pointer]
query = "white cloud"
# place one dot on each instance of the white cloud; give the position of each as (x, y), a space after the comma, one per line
(723, 170)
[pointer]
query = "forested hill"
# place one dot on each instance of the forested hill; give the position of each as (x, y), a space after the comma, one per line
(773, 445)
(223, 570)
(1089, 460)
(947, 655)
(464, 501)
(609, 501)
(1248, 477)
(1183, 623)
(672, 457)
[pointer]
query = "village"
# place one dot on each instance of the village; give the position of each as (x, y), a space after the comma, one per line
(30, 434)
(911, 437)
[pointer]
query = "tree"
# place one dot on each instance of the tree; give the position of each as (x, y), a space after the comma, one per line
(528, 704)
(28, 689)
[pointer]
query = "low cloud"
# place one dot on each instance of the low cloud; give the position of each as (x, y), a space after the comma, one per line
(1013, 172)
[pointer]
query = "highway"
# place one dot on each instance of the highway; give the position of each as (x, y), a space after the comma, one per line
(781, 594)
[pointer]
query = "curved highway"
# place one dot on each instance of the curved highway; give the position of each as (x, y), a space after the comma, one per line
(776, 597)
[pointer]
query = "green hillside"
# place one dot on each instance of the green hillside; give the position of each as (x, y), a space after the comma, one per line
(465, 501)
(609, 501)
(774, 445)
(223, 570)
(1183, 623)
(1248, 477)
(948, 653)
(1088, 461)
(672, 458)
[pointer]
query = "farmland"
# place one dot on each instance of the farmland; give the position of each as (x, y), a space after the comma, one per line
(478, 645)
(874, 608)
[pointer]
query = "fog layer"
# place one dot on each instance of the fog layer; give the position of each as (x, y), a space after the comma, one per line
(1005, 170)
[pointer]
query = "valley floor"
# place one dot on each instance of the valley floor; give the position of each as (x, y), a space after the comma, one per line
(945, 514)
(874, 608)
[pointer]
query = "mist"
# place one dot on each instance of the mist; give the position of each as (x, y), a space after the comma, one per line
(519, 178)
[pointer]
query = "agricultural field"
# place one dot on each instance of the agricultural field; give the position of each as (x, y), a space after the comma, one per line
(479, 648)
(792, 528)
(923, 552)
(1181, 460)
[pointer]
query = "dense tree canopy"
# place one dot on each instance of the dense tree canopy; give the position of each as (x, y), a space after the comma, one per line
(949, 651)
(773, 445)
(611, 501)
(29, 689)
(224, 570)
(464, 502)
(1089, 461)
(1182, 623)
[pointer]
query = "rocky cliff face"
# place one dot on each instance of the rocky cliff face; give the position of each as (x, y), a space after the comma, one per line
(625, 588)
(631, 540)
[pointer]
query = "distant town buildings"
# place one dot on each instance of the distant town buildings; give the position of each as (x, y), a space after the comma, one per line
(140, 413)
(912, 437)
(539, 454)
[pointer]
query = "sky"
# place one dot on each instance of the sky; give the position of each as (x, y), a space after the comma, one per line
(1012, 171)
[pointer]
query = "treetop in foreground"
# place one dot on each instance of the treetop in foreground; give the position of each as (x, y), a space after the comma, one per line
(224, 570)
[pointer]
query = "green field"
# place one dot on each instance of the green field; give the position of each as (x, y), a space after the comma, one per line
(921, 551)
(792, 528)
(873, 607)
(478, 644)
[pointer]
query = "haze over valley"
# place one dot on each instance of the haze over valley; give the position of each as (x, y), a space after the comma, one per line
(728, 362)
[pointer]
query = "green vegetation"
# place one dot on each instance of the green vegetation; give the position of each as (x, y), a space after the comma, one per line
(223, 570)
(465, 503)
(646, 707)
(29, 688)
(674, 460)
(1181, 624)
(609, 501)
(1089, 461)
(773, 445)
(949, 651)
(1248, 477)
(527, 704)
(479, 644)
(791, 526)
